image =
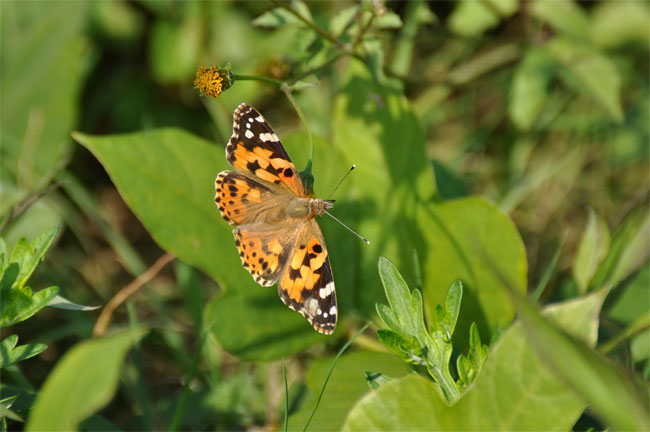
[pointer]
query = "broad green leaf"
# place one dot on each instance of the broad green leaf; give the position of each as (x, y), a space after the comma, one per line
(472, 18)
(472, 241)
(592, 250)
(614, 396)
(388, 20)
(82, 382)
(346, 385)
(258, 326)
(529, 396)
(589, 73)
(564, 16)
(617, 23)
(377, 130)
(10, 353)
(530, 87)
(166, 177)
(41, 73)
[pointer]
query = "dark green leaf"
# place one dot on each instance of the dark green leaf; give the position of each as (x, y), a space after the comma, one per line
(10, 353)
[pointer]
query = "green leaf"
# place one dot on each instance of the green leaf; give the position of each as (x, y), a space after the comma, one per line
(342, 19)
(42, 71)
(10, 353)
(589, 73)
(29, 255)
(346, 386)
(277, 17)
(564, 16)
(175, 49)
(388, 20)
(404, 346)
(390, 180)
(374, 57)
(472, 18)
(530, 396)
(399, 297)
(452, 307)
(18, 305)
(592, 250)
(388, 317)
(530, 87)
(82, 382)
(613, 395)
(178, 210)
(376, 379)
(614, 24)
(633, 301)
(462, 238)
(629, 249)
(18, 302)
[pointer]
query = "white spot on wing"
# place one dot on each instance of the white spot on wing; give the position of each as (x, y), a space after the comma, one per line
(249, 134)
(260, 119)
(333, 310)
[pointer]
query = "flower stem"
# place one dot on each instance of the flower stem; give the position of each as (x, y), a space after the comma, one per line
(242, 77)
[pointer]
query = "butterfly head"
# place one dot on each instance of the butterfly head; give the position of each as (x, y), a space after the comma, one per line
(318, 206)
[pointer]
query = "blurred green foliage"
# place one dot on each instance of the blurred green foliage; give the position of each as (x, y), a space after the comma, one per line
(502, 143)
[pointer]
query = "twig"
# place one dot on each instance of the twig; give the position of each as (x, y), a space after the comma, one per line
(26, 203)
(127, 291)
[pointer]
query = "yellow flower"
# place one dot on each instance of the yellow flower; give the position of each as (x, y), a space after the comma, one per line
(212, 81)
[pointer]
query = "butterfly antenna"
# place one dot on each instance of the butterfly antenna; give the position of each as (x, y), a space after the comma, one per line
(341, 181)
(347, 227)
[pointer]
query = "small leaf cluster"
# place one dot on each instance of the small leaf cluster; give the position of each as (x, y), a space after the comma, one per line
(408, 337)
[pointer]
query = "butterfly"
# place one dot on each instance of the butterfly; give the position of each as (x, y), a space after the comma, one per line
(278, 238)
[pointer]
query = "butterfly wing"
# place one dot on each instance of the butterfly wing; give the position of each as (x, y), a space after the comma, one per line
(307, 283)
(242, 200)
(256, 150)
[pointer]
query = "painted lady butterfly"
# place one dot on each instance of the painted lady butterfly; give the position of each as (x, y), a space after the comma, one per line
(273, 212)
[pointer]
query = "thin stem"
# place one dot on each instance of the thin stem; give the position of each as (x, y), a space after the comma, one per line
(327, 378)
(317, 68)
(127, 291)
(637, 326)
(179, 414)
(311, 25)
(242, 77)
(286, 397)
(287, 91)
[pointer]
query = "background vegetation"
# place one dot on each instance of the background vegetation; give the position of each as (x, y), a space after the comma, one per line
(502, 153)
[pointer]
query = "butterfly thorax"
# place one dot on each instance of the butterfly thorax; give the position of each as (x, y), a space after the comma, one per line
(307, 207)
